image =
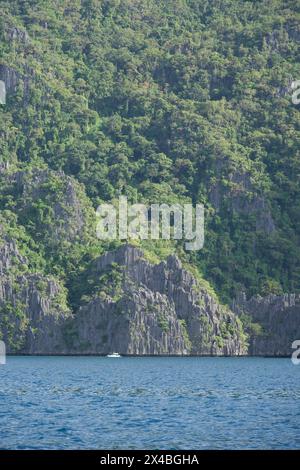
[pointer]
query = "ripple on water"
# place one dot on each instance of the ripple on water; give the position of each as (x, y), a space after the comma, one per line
(167, 403)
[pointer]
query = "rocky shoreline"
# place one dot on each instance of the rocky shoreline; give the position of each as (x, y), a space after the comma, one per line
(139, 309)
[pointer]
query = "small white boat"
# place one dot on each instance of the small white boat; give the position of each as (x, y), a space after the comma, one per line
(114, 354)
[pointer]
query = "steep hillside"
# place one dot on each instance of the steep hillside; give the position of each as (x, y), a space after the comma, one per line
(33, 307)
(141, 308)
(161, 101)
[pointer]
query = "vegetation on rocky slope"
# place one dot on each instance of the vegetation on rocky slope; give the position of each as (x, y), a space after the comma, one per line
(162, 101)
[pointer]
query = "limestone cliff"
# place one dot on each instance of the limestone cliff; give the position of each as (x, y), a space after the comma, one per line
(32, 306)
(52, 206)
(136, 308)
(153, 309)
(279, 319)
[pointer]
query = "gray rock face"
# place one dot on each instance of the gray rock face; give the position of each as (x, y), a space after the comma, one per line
(31, 317)
(4, 166)
(133, 325)
(279, 317)
(156, 309)
(69, 214)
(17, 34)
(37, 323)
(68, 211)
(139, 309)
(9, 256)
(162, 309)
(12, 78)
(277, 39)
(286, 89)
(240, 202)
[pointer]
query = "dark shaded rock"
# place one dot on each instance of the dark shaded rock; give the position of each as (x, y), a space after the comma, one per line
(161, 309)
(4, 166)
(151, 309)
(31, 310)
(69, 206)
(16, 34)
(285, 89)
(243, 200)
(277, 39)
(10, 77)
(142, 323)
(13, 78)
(279, 317)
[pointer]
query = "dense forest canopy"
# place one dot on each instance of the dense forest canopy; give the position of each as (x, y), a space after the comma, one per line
(162, 101)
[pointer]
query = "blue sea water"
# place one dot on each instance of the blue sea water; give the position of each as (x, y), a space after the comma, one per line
(149, 403)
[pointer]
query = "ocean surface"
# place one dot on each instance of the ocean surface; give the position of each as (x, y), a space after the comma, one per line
(149, 403)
